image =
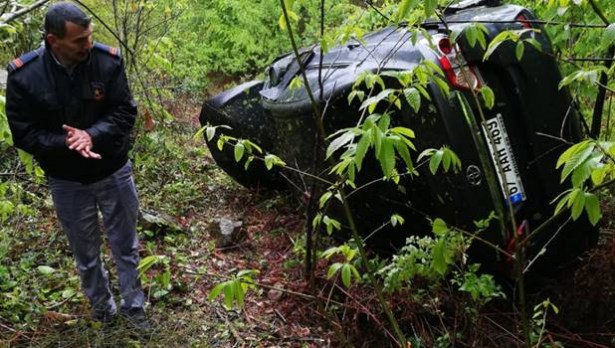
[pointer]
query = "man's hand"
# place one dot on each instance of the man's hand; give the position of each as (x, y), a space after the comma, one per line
(80, 141)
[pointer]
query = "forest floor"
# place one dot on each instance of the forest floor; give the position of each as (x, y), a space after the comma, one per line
(177, 178)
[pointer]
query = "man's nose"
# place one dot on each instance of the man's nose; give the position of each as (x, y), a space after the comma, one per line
(89, 44)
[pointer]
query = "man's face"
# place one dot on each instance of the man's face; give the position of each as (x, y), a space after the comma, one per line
(74, 47)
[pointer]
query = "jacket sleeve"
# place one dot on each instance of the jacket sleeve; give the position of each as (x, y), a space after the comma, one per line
(26, 128)
(118, 121)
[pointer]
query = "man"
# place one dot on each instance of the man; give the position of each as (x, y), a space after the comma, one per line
(68, 103)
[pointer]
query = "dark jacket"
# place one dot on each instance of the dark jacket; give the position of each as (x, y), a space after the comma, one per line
(41, 96)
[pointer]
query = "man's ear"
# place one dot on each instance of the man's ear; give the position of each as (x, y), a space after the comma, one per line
(52, 39)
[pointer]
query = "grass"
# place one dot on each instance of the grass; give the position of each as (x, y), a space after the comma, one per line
(177, 177)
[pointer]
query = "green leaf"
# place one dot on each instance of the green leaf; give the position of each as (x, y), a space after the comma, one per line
(482, 35)
(404, 8)
(396, 218)
(584, 171)
(407, 132)
(425, 153)
(330, 252)
(384, 122)
(591, 76)
(564, 157)
(404, 153)
(239, 293)
(149, 261)
(361, 149)
(435, 161)
(443, 86)
(578, 205)
(397, 103)
(331, 224)
(423, 92)
(592, 207)
(333, 269)
(338, 142)
(355, 272)
(446, 159)
(387, 158)
(488, 96)
(45, 270)
(535, 43)
(519, 50)
(273, 160)
(439, 257)
(609, 34)
(282, 22)
(210, 132)
(572, 196)
(451, 156)
(599, 174)
(413, 97)
(439, 227)
(295, 84)
(326, 43)
(291, 15)
(249, 160)
(250, 146)
(471, 35)
(575, 161)
(325, 198)
(377, 140)
(239, 150)
(512, 35)
(372, 102)
(562, 203)
(346, 275)
(356, 93)
(430, 7)
(268, 162)
(229, 294)
(216, 291)
(433, 68)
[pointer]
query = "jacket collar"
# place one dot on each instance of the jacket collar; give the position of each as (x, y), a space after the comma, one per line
(50, 56)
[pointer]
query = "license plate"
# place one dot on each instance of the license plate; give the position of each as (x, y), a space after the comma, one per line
(501, 152)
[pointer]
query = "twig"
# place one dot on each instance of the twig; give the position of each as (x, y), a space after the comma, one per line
(366, 311)
(3, 11)
(231, 327)
(604, 78)
(7, 328)
(277, 312)
(554, 138)
(58, 304)
(13, 16)
(512, 335)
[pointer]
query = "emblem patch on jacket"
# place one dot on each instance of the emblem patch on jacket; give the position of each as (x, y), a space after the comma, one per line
(98, 90)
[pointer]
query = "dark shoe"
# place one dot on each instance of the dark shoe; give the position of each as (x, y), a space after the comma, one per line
(104, 317)
(136, 318)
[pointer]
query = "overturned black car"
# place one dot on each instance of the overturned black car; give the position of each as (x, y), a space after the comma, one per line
(525, 131)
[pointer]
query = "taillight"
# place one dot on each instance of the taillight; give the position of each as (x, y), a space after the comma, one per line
(524, 21)
(445, 46)
(458, 72)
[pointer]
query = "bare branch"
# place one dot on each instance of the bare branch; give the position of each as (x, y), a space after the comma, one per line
(9, 17)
